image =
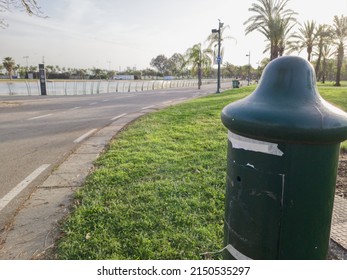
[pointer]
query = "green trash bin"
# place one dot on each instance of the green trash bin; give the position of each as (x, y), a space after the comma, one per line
(236, 83)
(282, 161)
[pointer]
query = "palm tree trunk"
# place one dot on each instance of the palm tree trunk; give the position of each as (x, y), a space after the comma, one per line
(317, 68)
(274, 51)
(199, 76)
(324, 70)
(309, 51)
(339, 65)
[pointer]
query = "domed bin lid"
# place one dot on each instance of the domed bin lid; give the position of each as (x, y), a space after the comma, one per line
(286, 107)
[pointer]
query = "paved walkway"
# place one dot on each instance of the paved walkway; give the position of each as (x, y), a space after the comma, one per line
(339, 228)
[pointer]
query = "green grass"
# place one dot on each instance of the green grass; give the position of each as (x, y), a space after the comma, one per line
(331, 84)
(338, 97)
(158, 192)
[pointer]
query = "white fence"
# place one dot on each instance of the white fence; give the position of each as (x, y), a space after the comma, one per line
(83, 87)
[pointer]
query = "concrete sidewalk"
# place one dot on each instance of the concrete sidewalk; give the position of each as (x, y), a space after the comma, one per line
(338, 234)
(34, 230)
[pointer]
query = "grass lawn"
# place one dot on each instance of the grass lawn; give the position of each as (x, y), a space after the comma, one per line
(158, 192)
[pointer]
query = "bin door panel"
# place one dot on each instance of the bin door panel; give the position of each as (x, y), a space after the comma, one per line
(253, 211)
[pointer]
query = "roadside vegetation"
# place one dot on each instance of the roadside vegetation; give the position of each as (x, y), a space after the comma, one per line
(158, 192)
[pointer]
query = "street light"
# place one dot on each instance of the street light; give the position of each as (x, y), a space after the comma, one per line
(220, 25)
(27, 69)
(249, 65)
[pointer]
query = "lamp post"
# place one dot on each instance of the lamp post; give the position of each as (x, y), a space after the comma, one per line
(249, 65)
(220, 25)
(27, 65)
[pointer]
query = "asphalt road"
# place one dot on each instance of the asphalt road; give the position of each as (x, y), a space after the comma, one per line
(38, 133)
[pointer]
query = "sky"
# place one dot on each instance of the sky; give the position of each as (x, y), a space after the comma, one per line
(116, 34)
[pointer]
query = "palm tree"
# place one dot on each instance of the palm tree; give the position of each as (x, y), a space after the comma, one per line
(326, 53)
(274, 21)
(9, 65)
(340, 26)
(213, 40)
(306, 38)
(280, 35)
(199, 59)
(324, 36)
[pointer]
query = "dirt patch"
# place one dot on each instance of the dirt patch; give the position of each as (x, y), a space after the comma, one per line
(341, 183)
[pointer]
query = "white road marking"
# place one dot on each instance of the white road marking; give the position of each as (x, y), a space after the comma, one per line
(118, 117)
(144, 108)
(84, 136)
(40, 117)
(21, 186)
(93, 103)
(74, 108)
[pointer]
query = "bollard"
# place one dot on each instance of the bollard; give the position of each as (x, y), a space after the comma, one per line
(283, 151)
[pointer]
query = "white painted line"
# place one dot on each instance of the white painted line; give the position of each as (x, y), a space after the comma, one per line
(21, 186)
(105, 100)
(40, 117)
(118, 117)
(74, 108)
(91, 104)
(144, 108)
(84, 136)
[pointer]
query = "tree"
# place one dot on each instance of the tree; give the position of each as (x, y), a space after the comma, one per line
(229, 70)
(176, 64)
(32, 68)
(324, 36)
(326, 53)
(274, 21)
(81, 73)
(110, 74)
(307, 37)
(213, 40)
(9, 65)
(97, 73)
(161, 63)
(199, 59)
(340, 28)
(31, 7)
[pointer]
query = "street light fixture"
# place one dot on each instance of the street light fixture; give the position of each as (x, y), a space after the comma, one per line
(220, 25)
(249, 65)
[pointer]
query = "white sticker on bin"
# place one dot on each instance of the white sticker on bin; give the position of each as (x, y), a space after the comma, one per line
(248, 144)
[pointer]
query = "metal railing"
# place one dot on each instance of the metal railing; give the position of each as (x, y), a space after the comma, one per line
(84, 87)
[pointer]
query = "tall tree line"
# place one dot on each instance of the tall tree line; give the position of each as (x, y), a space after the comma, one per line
(275, 21)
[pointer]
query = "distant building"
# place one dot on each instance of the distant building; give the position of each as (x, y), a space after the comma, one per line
(124, 77)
